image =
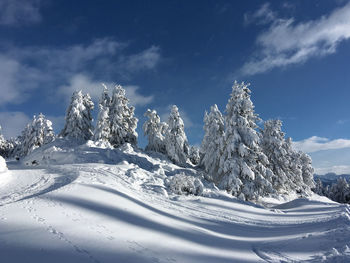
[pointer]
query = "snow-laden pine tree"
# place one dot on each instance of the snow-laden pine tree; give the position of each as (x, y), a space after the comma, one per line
(307, 171)
(273, 146)
(78, 118)
(300, 177)
(319, 188)
(155, 130)
(340, 191)
(102, 130)
(194, 155)
(6, 146)
(243, 166)
(212, 144)
(123, 121)
(36, 134)
(175, 138)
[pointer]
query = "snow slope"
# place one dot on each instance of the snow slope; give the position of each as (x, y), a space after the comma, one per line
(5, 175)
(89, 204)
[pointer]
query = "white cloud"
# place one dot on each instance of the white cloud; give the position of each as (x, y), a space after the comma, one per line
(27, 68)
(16, 12)
(84, 83)
(263, 15)
(315, 143)
(146, 59)
(135, 98)
(286, 42)
(57, 122)
(13, 123)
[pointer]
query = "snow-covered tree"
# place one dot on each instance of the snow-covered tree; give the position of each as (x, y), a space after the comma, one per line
(340, 191)
(212, 144)
(175, 138)
(194, 155)
(36, 134)
(273, 146)
(307, 171)
(300, 178)
(102, 130)
(6, 146)
(243, 166)
(155, 130)
(123, 121)
(78, 118)
(319, 188)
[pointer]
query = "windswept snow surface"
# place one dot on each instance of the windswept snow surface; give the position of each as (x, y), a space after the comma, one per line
(89, 204)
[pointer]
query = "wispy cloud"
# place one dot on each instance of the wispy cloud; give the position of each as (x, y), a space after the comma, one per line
(12, 123)
(23, 69)
(19, 12)
(315, 143)
(94, 88)
(263, 15)
(287, 42)
(144, 60)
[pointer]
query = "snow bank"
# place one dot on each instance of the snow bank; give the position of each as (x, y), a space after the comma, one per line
(5, 175)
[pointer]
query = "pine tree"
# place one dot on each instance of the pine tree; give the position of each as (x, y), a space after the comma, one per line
(102, 130)
(295, 176)
(175, 139)
(212, 144)
(123, 122)
(272, 144)
(243, 166)
(78, 118)
(319, 188)
(340, 191)
(36, 134)
(194, 155)
(307, 171)
(155, 130)
(6, 146)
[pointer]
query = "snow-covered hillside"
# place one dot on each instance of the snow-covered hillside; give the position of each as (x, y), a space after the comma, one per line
(86, 203)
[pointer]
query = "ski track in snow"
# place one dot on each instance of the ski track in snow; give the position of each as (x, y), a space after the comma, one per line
(121, 213)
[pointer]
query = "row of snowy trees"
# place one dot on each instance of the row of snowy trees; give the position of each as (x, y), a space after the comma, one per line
(36, 133)
(338, 191)
(247, 162)
(234, 153)
(116, 123)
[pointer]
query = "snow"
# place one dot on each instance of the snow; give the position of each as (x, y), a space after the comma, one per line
(5, 175)
(86, 203)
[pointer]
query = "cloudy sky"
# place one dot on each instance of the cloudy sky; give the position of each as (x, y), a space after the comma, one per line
(295, 54)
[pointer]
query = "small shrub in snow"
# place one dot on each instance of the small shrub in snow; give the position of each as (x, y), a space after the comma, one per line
(184, 184)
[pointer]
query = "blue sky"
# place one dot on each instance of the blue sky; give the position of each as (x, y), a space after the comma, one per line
(295, 54)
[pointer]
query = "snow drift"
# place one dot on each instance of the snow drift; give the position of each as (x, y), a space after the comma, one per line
(5, 175)
(86, 203)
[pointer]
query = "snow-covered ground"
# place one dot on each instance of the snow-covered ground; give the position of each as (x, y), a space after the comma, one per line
(89, 204)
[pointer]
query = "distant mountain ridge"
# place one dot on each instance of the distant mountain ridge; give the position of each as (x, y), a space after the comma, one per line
(330, 178)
